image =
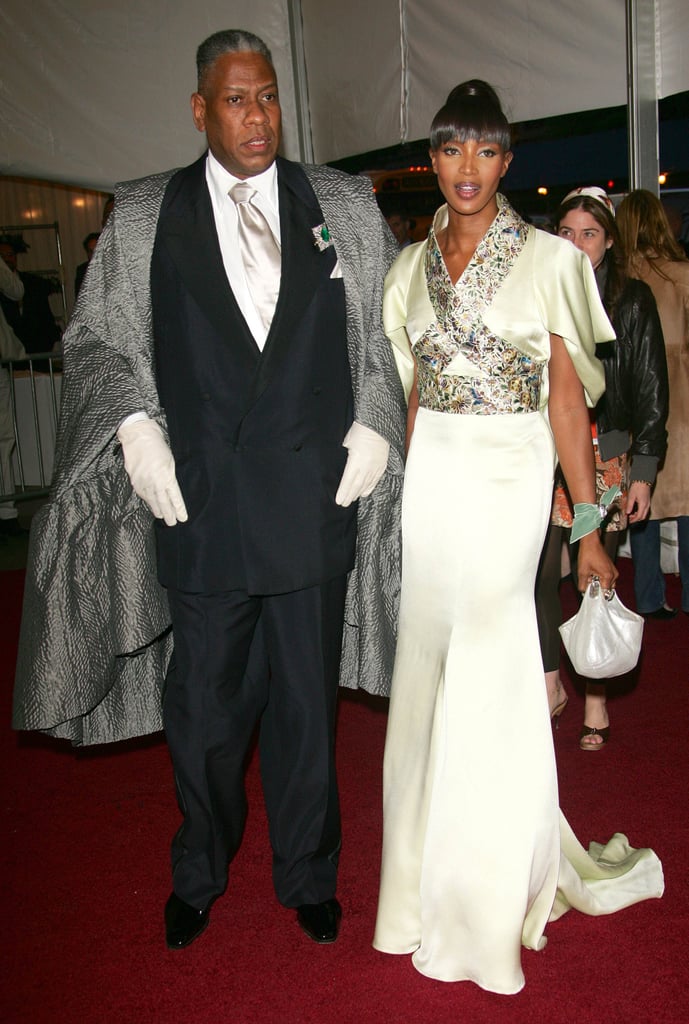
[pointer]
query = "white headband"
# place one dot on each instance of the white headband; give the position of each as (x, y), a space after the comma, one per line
(594, 192)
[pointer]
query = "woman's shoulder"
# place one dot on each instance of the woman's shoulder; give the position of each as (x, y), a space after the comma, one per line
(406, 261)
(412, 252)
(667, 279)
(551, 247)
(554, 259)
(677, 271)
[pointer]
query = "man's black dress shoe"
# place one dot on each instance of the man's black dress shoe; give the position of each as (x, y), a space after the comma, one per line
(662, 613)
(183, 923)
(320, 921)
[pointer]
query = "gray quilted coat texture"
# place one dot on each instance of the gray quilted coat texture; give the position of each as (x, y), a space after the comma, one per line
(95, 636)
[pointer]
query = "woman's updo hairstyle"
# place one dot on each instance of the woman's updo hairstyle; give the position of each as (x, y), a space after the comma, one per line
(471, 111)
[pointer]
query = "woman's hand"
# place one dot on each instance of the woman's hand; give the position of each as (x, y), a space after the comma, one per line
(638, 501)
(593, 560)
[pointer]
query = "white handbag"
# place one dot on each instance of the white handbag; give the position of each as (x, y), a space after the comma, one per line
(603, 639)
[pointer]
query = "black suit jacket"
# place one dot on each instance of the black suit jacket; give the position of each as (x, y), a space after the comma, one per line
(257, 436)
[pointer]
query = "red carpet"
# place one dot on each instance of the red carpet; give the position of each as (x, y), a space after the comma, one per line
(85, 876)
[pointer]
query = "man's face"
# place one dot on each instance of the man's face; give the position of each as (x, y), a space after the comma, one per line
(399, 226)
(9, 256)
(239, 111)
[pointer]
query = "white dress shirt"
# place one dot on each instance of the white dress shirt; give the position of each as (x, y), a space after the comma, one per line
(219, 183)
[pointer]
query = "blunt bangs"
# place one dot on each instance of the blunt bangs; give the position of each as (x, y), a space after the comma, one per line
(470, 116)
(449, 131)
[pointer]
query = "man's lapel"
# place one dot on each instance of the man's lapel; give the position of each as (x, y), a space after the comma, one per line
(305, 266)
(187, 229)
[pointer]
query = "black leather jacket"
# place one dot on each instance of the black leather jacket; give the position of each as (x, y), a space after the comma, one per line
(635, 401)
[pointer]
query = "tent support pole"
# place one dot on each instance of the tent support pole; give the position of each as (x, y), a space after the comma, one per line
(301, 87)
(642, 94)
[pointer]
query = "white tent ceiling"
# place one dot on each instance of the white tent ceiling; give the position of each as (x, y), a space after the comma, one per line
(93, 91)
(404, 56)
(97, 91)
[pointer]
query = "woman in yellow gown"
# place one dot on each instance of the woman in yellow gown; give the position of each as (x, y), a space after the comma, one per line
(494, 326)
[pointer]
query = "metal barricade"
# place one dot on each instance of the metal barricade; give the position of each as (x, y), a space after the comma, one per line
(30, 391)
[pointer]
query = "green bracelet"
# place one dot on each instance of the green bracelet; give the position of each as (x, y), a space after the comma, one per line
(588, 517)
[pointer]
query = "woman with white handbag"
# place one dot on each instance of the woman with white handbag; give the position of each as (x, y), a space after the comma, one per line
(628, 431)
(494, 324)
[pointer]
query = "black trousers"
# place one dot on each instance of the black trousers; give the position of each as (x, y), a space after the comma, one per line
(237, 660)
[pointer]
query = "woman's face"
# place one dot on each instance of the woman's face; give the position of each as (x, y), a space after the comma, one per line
(469, 173)
(586, 233)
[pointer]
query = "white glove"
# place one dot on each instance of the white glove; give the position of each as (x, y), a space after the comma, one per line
(366, 463)
(151, 469)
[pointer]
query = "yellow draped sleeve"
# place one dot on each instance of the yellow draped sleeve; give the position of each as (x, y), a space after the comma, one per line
(552, 290)
(406, 304)
(574, 311)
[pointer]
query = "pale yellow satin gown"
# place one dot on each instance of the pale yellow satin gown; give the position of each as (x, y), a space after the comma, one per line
(476, 855)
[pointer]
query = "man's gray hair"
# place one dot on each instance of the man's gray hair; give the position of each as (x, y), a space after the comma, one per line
(231, 40)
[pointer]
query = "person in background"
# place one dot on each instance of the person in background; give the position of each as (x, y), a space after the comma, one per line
(653, 255)
(89, 244)
(401, 225)
(108, 207)
(675, 220)
(230, 405)
(31, 317)
(495, 325)
(628, 428)
(10, 348)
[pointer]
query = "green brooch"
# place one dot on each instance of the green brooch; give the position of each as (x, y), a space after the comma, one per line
(322, 237)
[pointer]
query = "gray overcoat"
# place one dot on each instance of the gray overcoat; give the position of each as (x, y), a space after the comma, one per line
(95, 636)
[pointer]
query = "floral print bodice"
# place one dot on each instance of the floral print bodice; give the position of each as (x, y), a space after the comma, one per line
(507, 380)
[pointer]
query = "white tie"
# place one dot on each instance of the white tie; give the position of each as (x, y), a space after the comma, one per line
(260, 252)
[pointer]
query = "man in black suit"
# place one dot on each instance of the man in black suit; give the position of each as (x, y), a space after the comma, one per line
(263, 494)
(237, 355)
(227, 364)
(256, 417)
